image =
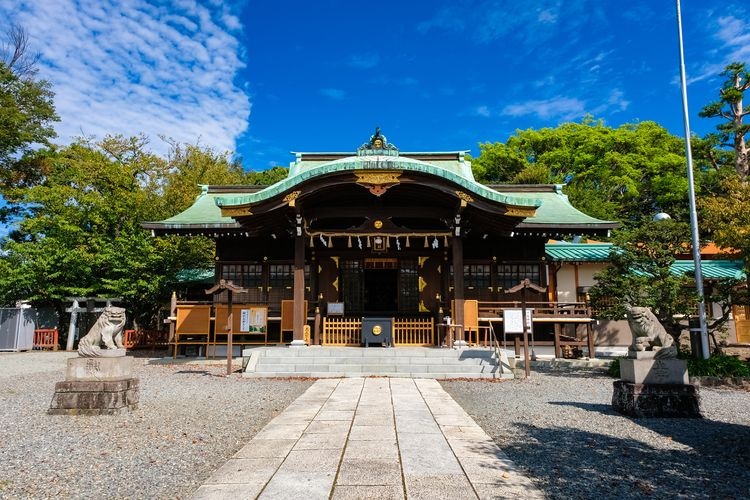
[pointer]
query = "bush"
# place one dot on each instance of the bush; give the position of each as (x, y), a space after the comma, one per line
(614, 368)
(718, 365)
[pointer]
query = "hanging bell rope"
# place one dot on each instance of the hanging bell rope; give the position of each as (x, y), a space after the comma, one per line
(368, 242)
(387, 242)
(349, 242)
(445, 241)
(312, 244)
(426, 243)
(407, 242)
(330, 242)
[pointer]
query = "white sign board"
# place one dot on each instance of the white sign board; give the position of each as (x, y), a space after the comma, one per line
(335, 309)
(245, 320)
(512, 322)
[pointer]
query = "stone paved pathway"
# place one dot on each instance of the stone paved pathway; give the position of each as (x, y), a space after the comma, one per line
(370, 438)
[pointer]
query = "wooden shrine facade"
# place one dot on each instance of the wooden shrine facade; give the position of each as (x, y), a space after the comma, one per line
(380, 233)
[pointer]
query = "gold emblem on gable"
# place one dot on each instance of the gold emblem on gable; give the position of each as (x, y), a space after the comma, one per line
(515, 211)
(236, 211)
(378, 182)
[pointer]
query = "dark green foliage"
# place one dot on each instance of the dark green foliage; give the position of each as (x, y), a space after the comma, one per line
(614, 369)
(626, 173)
(732, 130)
(26, 116)
(718, 365)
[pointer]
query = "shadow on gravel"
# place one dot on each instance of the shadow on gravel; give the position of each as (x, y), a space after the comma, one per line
(597, 407)
(571, 463)
(568, 373)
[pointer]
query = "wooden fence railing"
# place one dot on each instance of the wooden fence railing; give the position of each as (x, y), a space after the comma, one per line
(342, 331)
(46, 338)
(414, 331)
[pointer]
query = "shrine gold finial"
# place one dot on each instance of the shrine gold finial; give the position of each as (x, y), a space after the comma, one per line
(465, 198)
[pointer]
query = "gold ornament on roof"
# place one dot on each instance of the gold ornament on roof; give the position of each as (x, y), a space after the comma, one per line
(465, 198)
(291, 197)
(236, 211)
(515, 211)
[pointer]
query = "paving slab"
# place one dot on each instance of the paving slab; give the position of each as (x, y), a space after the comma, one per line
(370, 438)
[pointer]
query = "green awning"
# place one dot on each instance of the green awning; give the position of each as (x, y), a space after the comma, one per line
(578, 252)
(711, 269)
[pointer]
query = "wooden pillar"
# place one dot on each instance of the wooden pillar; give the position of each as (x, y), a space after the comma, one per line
(300, 314)
(458, 286)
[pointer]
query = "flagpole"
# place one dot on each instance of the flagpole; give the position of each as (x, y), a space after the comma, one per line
(691, 192)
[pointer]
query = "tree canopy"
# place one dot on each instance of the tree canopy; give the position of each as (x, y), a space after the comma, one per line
(639, 274)
(626, 173)
(729, 107)
(26, 108)
(80, 234)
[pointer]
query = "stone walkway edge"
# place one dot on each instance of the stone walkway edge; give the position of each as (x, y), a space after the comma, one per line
(370, 438)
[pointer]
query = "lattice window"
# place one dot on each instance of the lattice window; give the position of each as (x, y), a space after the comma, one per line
(280, 284)
(408, 287)
(477, 281)
(246, 275)
(509, 275)
(352, 286)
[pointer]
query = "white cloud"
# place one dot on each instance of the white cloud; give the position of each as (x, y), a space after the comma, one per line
(336, 94)
(130, 67)
(733, 34)
(482, 111)
(364, 61)
(562, 108)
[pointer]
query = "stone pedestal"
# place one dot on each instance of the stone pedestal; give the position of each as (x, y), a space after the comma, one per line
(656, 400)
(96, 386)
(655, 387)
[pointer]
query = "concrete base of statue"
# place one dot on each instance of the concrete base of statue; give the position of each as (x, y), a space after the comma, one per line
(655, 387)
(96, 386)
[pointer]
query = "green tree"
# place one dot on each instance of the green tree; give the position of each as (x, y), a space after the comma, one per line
(626, 173)
(732, 132)
(189, 166)
(639, 274)
(26, 109)
(81, 233)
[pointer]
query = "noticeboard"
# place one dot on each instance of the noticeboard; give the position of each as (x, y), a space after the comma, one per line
(512, 322)
(253, 320)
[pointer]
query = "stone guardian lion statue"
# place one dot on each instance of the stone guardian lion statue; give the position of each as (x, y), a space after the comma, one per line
(107, 329)
(649, 334)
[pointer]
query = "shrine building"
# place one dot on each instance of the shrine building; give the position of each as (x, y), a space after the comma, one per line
(380, 233)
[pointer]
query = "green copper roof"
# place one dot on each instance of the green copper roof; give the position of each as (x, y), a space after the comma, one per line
(599, 252)
(353, 163)
(556, 209)
(711, 269)
(202, 212)
(578, 252)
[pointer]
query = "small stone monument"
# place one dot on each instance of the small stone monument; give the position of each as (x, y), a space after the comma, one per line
(654, 383)
(100, 380)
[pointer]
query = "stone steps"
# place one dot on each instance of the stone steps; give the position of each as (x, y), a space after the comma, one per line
(321, 362)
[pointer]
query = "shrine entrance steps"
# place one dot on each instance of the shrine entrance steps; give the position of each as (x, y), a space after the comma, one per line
(402, 362)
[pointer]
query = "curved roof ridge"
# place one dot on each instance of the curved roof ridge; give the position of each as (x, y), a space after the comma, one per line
(354, 163)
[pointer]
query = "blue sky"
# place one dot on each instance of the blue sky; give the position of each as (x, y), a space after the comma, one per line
(267, 78)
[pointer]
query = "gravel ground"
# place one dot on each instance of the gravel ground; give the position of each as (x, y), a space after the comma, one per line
(191, 419)
(561, 430)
